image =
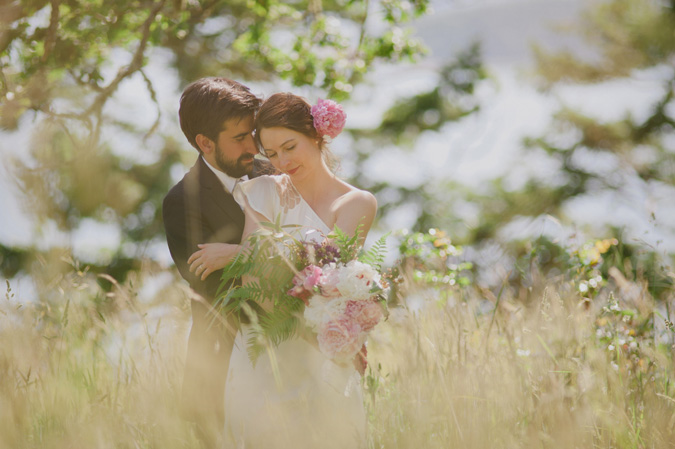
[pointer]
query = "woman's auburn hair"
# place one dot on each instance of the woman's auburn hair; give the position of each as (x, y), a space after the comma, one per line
(285, 110)
(290, 111)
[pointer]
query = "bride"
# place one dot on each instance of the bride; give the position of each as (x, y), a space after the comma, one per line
(295, 397)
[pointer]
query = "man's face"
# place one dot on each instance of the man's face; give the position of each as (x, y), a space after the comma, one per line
(235, 147)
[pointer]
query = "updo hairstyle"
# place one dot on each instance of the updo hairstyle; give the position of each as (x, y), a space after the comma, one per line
(287, 110)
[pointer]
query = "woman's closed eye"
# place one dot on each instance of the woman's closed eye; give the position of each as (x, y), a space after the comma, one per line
(271, 154)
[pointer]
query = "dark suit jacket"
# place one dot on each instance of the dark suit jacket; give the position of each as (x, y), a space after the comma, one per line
(199, 210)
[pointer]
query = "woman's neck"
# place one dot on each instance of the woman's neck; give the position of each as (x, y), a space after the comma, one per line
(315, 185)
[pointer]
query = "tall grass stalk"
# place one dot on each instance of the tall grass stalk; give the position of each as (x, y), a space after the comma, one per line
(541, 378)
(87, 367)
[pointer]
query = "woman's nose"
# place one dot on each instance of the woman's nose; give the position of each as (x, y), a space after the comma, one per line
(283, 161)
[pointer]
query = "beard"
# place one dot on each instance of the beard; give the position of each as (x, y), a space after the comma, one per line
(234, 168)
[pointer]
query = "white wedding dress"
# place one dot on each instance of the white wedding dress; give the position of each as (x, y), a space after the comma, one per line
(294, 397)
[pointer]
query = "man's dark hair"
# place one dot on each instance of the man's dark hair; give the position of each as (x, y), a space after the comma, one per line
(208, 102)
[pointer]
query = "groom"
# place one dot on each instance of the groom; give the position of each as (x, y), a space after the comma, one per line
(216, 115)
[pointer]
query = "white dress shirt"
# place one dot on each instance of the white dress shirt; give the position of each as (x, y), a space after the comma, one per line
(228, 181)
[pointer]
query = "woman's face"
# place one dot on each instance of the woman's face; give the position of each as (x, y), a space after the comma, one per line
(290, 152)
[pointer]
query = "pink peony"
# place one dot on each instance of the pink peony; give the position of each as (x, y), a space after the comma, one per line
(329, 281)
(329, 118)
(308, 277)
(304, 283)
(366, 313)
(340, 339)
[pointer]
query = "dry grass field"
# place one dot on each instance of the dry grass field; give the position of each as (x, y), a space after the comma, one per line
(459, 367)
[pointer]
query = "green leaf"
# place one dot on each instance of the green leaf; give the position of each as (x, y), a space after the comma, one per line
(375, 255)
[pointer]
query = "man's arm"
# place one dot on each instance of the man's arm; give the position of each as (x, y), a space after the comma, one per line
(185, 229)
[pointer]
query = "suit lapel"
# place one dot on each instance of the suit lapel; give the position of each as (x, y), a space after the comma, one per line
(214, 194)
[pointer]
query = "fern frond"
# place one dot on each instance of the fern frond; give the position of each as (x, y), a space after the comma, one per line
(375, 255)
(283, 322)
(347, 245)
(255, 346)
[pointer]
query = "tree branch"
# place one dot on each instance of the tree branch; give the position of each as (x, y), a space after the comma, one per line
(50, 39)
(124, 72)
(362, 36)
(9, 13)
(153, 96)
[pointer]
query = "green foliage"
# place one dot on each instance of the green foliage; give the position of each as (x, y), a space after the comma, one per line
(627, 34)
(12, 260)
(256, 282)
(264, 259)
(594, 156)
(271, 329)
(553, 331)
(449, 101)
(558, 367)
(51, 50)
(62, 61)
(375, 255)
(348, 244)
(429, 111)
(430, 258)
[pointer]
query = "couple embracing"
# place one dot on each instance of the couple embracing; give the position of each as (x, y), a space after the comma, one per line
(287, 400)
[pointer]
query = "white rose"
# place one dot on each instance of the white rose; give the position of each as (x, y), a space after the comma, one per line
(320, 309)
(357, 279)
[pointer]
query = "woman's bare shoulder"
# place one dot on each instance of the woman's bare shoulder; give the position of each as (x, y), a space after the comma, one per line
(356, 199)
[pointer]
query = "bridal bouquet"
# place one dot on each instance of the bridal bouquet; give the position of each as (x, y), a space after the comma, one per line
(343, 302)
(331, 289)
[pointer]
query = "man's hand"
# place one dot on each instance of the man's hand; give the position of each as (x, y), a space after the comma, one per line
(211, 257)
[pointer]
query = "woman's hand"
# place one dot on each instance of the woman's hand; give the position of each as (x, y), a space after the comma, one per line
(211, 257)
(361, 360)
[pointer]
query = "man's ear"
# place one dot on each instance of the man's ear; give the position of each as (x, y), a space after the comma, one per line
(205, 144)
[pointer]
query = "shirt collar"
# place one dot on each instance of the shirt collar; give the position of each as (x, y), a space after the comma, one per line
(227, 181)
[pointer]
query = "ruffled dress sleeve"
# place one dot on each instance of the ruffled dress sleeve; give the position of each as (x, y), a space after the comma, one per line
(260, 194)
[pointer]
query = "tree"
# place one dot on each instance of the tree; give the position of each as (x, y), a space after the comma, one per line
(628, 36)
(450, 100)
(62, 61)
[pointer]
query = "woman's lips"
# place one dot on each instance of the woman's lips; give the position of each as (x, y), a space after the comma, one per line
(291, 172)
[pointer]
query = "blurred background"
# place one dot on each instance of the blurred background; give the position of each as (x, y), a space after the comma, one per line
(522, 153)
(496, 120)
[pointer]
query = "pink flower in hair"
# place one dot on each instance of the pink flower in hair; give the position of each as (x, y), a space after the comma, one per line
(329, 118)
